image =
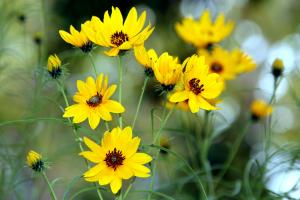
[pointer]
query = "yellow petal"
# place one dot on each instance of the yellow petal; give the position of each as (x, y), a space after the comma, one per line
(193, 104)
(116, 185)
(179, 96)
(140, 158)
(91, 156)
(110, 91)
(112, 52)
(94, 120)
(93, 146)
(94, 170)
(104, 113)
(124, 172)
(114, 107)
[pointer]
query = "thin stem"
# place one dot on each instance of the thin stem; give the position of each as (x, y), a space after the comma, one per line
(77, 137)
(127, 191)
(155, 142)
(120, 88)
(53, 195)
(233, 152)
(140, 101)
(93, 64)
(204, 152)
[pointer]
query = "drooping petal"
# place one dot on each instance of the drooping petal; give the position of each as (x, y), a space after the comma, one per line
(115, 185)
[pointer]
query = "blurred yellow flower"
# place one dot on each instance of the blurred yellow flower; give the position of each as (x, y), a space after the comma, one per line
(220, 61)
(77, 38)
(259, 109)
(92, 102)
(167, 71)
(34, 161)
(198, 85)
(54, 66)
(116, 159)
(277, 67)
(243, 62)
(204, 33)
(146, 58)
(113, 33)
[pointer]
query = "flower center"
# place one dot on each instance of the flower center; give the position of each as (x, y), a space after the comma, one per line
(114, 158)
(87, 47)
(118, 38)
(216, 67)
(95, 100)
(195, 86)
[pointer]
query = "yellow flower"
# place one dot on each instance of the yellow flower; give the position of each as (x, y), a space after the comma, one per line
(277, 67)
(54, 66)
(259, 109)
(198, 85)
(243, 62)
(146, 58)
(34, 161)
(220, 61)
(116, 159)
(203, 33)
(113, 33)
(184, 106)
(77, 38)
(167, 71)
(92, 102)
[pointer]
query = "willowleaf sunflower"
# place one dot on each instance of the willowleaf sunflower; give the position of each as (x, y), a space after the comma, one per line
(116, 159)
(167, 71)
(243, 62)
(54, 66)
(220, 61)
(112, 32)
(34, 161)
(146, 58)
(203, 33)
(78, 38)
(260, 109)
(93, 102)
(197, 86)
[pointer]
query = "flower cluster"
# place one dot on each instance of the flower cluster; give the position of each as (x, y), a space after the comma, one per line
(194, 84)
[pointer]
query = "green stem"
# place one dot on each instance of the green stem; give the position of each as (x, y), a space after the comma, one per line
(127, 191)
(155, 142)
(120, 88)
(140, 101)
(204, 153)
(233, 152)
(93, 64)
(53, 196)
(77, 137)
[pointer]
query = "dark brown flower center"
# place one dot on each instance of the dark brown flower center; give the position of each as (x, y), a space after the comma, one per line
(95, 100)
(195, 86)
(118, 38)
(216, 67)
(114, 158)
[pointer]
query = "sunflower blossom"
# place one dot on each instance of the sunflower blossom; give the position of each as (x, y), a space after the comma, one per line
(260, 109)
(116, 159)
(167, 71)
(54, 66)
(112, 32)
(204, 33)
(92, 102)
(34, 161)
(77, 38)
(220, 61)
(146, 58)
(198, 86)
(243, 62)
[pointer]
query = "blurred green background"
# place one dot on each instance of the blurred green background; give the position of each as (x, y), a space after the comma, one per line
(265, 29)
